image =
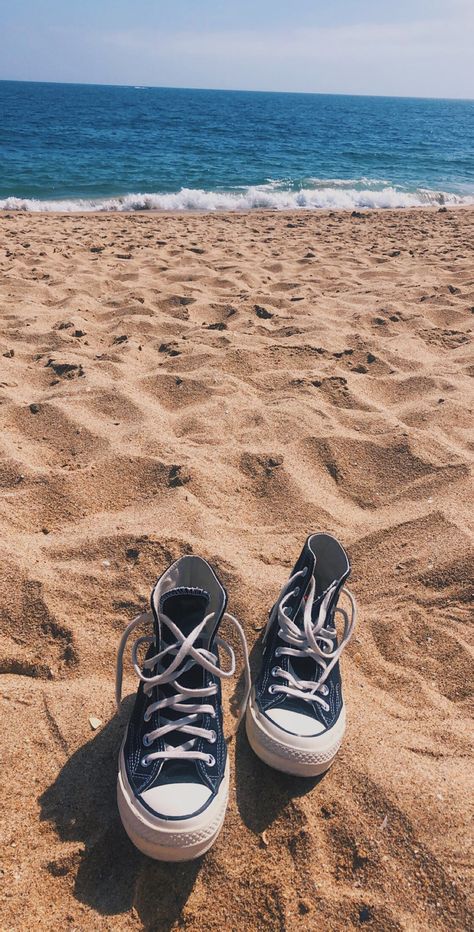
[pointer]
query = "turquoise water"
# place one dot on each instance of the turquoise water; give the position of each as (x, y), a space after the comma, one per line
(71, 147)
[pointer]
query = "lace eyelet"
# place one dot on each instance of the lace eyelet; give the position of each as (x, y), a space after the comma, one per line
(305, 570)
(275, 671)
(213, 738)
(145, 762)
(211, 761)
(296, 591)
(324, 690)
(278, 652)
(146, 741)
(271, 690)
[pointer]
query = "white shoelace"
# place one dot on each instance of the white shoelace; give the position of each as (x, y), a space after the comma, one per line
(312, 640)
(185, 656)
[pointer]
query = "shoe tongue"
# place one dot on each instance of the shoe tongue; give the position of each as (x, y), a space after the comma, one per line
(186, 606)
(306, 667)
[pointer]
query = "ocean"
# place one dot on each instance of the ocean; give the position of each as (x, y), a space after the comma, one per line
(85, 147)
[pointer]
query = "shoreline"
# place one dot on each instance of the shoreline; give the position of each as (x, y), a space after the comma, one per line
(254, 211)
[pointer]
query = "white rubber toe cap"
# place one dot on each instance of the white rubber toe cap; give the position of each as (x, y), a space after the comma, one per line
(177, 799)
(295, 722)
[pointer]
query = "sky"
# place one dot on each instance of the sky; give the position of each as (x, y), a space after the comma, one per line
(420, 48)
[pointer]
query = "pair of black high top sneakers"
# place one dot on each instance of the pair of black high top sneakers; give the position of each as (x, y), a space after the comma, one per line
(173, 780)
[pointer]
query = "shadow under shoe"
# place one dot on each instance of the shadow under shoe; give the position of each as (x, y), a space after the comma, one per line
(262, 792)
(112, 876)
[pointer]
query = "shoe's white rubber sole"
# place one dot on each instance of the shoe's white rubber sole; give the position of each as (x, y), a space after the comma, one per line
(294, 754)
(165, 840)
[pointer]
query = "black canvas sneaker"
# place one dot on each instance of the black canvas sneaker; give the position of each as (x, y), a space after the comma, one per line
(173, 776)
(295, 715)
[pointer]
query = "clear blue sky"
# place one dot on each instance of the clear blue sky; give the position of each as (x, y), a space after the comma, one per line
(405, 47)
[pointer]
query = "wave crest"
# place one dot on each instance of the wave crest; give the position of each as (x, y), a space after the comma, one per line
(333, 195)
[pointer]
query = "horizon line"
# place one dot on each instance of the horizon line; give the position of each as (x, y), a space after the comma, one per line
(226, 90)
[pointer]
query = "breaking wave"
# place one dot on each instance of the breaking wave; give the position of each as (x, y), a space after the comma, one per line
(333, 194)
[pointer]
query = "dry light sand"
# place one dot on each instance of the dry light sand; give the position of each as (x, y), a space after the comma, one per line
(223, 385)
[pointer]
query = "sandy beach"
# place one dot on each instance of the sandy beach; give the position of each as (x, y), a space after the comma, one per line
(225, 384)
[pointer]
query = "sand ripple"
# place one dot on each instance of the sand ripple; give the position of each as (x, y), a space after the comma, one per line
(223, 385)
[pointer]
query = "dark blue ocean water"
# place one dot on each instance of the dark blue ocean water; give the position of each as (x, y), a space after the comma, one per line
(65, 146)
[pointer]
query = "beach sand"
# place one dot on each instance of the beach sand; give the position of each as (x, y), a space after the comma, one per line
(225, 384)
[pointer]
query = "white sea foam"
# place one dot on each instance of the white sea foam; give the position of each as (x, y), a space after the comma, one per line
(334, 194)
